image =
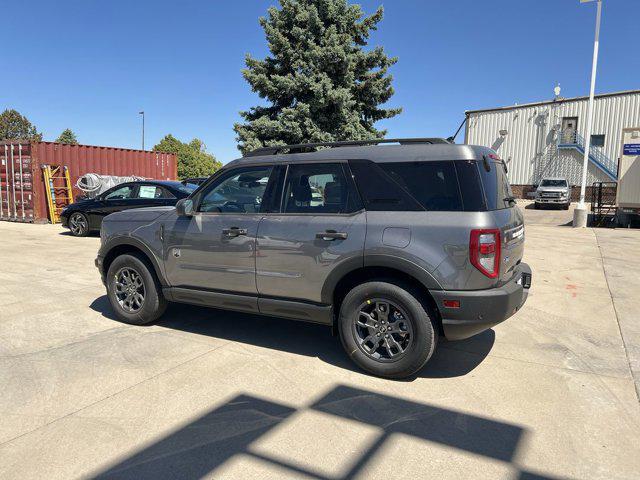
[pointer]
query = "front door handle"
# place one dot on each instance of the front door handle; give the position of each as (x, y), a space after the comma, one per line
(234, 231)
(331, 235)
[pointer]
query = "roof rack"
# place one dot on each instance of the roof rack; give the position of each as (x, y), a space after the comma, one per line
(302, 147)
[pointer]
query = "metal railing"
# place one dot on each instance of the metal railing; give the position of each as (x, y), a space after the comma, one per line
(603, 202)
(572, 139)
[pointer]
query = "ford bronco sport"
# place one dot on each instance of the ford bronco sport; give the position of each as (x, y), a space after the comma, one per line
(391, 245)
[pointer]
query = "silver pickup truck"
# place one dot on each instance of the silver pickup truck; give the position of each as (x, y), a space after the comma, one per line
(553, 191)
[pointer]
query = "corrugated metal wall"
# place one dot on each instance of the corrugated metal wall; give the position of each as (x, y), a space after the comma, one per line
(530, 134)
(29, 204)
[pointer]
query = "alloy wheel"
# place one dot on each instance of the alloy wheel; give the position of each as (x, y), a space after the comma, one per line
(383, 330)
(78, 224)
(129, 289)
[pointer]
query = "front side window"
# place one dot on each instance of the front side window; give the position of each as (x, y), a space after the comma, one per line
(240, 191)
(121, 193)
(317, 188)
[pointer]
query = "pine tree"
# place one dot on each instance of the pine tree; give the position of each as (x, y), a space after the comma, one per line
(14, 126)
(67, 136)
(320, 82)
(193, 159)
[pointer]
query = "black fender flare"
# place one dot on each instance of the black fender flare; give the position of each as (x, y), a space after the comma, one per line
(376, 260)
(138, 244)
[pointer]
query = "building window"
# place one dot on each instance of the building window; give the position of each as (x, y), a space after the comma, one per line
(597, 140)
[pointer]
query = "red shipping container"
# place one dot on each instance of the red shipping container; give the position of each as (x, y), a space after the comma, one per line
(22, 190)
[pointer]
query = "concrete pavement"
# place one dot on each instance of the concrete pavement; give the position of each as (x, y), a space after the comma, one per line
(206, 393)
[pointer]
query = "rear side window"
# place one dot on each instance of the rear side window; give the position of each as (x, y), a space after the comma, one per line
(470, 187)
(417, 186)
(495, 183)
(433, 184)
(379, 191)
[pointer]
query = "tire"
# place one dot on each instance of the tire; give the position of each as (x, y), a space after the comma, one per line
(566, 207)
(419, 339)
(126, 304)
(79, 224)
(536, 205)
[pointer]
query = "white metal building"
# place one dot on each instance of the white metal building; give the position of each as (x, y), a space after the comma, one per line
(546, 139)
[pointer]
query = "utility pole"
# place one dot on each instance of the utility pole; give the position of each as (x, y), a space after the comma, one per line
(580, 213)
(142, 113)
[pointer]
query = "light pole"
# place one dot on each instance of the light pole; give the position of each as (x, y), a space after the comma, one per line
(580, 213)
(142, 113)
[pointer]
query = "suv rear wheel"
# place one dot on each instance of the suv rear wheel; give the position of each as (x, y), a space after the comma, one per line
(133, 291)
(386, 330)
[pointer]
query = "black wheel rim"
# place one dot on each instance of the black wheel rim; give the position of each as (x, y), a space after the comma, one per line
(129, 289)
(383, 330)
(78, 224)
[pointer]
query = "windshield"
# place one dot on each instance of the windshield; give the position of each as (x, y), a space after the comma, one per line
(187, 187)
(553, 183)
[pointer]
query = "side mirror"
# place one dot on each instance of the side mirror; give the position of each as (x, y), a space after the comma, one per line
(184, 207)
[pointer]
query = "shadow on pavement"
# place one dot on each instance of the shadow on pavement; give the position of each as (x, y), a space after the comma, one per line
(197, 449)
(451, 359)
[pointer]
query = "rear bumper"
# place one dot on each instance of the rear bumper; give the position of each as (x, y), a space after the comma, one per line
(482, 309)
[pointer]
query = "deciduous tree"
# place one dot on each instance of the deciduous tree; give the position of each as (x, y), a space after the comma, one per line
(14, 126)
(193, 158)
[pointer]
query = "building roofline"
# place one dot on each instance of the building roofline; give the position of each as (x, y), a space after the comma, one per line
(551, 102)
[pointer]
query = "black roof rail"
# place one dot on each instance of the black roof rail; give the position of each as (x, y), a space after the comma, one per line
(301, 147)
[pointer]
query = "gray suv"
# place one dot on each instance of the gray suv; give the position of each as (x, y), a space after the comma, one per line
(393, 246)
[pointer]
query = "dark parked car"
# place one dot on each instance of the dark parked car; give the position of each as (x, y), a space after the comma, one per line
(391, 246)
(86, 215)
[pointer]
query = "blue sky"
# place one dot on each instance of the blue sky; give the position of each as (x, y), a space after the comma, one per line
(92, 66)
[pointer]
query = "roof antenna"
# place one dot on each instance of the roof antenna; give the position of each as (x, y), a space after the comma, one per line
(453, 139)
(556, 91)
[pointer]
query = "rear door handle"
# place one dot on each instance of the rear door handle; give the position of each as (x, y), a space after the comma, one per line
(331, 235)
(234, 231)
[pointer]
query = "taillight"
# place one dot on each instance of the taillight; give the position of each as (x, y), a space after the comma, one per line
(484, 251)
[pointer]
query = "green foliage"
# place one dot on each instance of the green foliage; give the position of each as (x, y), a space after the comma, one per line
(193, 159)
(320, 83)
(14, 126)
(67, 136)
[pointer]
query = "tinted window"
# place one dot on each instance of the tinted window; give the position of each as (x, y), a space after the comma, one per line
(433, 184)
(496, 186)
(470, 186)
(240, 191)
(504, 188)
(379, 191)
(120, 193)
(317, 188)
(488, 169)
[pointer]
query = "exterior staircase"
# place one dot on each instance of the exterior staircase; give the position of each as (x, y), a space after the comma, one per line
(570, 139)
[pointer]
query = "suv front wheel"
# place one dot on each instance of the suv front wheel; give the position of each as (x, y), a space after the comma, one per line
(133, 291)
(386, 330)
